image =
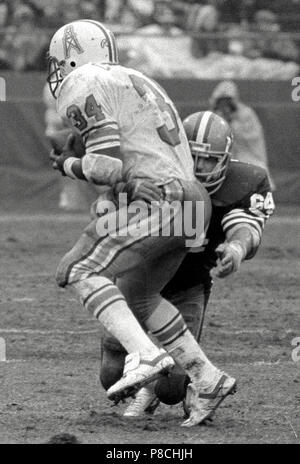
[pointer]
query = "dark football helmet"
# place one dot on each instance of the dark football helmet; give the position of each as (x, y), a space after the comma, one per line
(210, 138)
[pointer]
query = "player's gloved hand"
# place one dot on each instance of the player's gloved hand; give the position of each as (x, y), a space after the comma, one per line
(230, 257)
(71, 149)
(138, 189)
(57, 161)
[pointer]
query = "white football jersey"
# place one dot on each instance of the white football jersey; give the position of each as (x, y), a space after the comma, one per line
(117, 107)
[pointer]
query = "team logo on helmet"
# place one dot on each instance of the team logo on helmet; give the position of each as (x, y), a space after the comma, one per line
(70, 41)
(104, 43)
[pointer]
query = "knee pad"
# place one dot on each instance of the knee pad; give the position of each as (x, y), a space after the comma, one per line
(171, 389)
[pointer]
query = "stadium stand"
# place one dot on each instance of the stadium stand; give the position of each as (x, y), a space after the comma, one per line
(166, 33)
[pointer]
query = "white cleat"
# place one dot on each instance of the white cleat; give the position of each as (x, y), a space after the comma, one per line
(139, 370)
(145, 402)
(202, 403)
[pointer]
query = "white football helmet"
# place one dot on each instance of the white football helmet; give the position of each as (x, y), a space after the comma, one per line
(76, 44)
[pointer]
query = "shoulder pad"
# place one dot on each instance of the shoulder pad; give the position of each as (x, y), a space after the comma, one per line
(242, 180)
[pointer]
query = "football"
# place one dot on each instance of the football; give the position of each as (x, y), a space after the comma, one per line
(170, 389)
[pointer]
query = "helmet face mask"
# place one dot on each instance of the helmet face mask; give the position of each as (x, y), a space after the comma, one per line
(210, 141)
(54, 78)
(216, 164)
(76, 44)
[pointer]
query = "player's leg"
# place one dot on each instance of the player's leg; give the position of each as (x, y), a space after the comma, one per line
(161, 258)
(171, 389)
(160, 317)
(191, 303)
(141, 291)
(113, 255)
(99, 295)
(168, 326)
(144, 362)
(112, 360)
(208, 385)
(92, 265)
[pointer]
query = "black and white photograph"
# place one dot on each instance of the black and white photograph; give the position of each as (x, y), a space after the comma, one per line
(150, 225)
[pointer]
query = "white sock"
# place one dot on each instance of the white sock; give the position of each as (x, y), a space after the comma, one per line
(168, 326)
(105, 301)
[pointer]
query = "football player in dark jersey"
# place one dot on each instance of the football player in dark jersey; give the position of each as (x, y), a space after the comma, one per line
(241, 204)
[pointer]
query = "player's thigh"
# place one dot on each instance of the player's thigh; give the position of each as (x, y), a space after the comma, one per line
(101, 250)
(142, 287)
(105, 248)
(77, 262)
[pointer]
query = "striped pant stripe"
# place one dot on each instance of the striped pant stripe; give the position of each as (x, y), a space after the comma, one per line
(166, 326)
(82, 258)
(118, 248)
(94, 293)
(107, 304)
(172, 340)
(171, 331)
(101, 297)
(107, 249)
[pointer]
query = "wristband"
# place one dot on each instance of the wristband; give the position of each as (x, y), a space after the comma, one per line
(67, 166)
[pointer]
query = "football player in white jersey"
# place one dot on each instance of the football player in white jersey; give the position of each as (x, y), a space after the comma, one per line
(134, 139)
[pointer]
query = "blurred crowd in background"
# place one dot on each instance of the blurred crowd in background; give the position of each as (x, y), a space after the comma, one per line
(166, 38)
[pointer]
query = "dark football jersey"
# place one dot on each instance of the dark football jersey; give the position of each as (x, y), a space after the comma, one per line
(244, 198)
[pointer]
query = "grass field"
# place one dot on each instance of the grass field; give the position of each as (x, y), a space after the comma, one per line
(49, 384)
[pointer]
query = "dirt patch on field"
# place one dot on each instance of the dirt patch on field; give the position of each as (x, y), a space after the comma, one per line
(50, 384)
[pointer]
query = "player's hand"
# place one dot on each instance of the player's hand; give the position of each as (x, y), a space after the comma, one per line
(74, 146)
(69, 150)
(140, 190)
(230, 257)
(55, 158)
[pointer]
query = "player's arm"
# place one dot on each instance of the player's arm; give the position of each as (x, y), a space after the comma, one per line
(72, 150)
(100, 162)
(240, 244)
(243, 229)
(91, 112)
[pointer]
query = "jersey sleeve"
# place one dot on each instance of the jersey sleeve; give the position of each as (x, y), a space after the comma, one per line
(91, 110)
(251, 212)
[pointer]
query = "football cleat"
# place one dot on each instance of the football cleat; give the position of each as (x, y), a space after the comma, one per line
(139, 370)
(202, 403)
(145, 402)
